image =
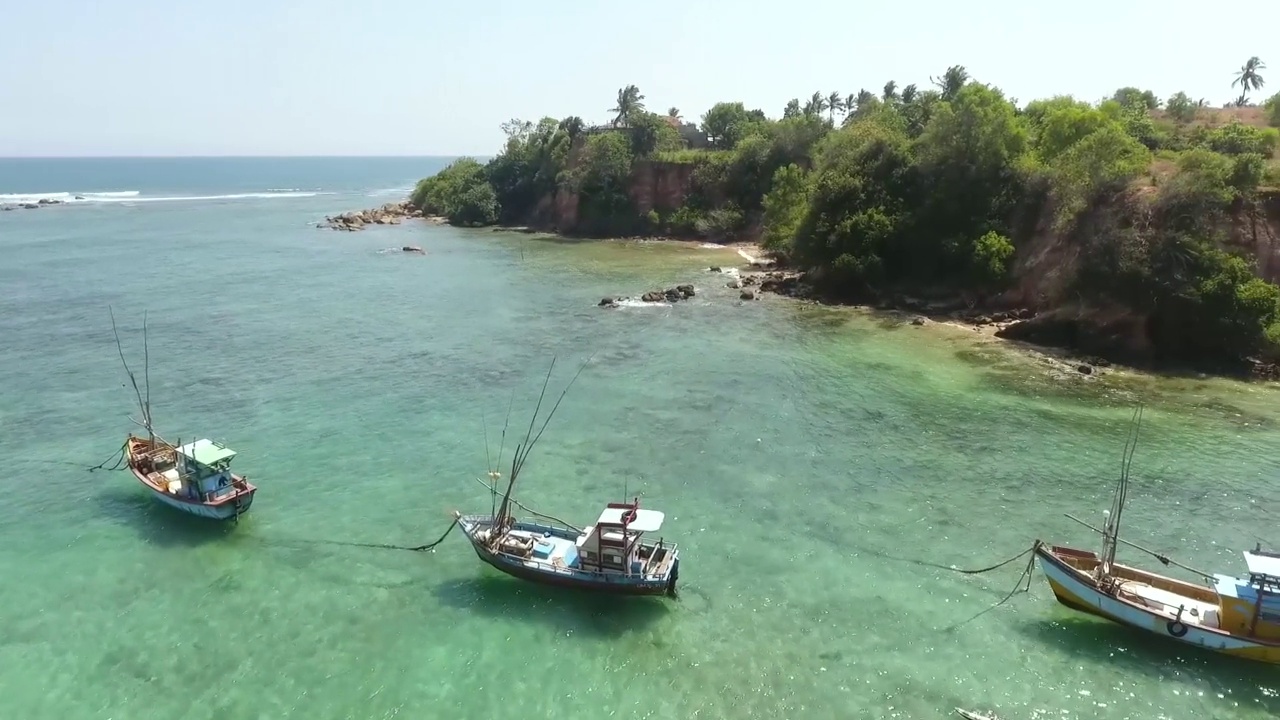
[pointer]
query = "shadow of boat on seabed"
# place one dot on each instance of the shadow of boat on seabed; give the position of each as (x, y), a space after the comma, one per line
(1103, 643)
(566, 609)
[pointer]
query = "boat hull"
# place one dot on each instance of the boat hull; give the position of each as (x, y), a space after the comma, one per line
(1078, 591)
(564, 577)
(221, 511)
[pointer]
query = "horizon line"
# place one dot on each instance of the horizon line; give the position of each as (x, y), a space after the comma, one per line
(228, 157)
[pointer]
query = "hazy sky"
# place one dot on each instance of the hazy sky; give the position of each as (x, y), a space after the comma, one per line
(412, 77)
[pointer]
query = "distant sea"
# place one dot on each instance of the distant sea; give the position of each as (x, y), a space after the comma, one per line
(134, 180)
(816, 467)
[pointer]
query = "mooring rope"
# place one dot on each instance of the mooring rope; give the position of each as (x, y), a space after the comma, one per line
(978, 571)
(118, 456)
(1023, 585)
(385, 546)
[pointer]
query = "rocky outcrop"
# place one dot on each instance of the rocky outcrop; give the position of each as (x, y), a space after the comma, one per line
(791, 284)
(389, 214)
(670, 295)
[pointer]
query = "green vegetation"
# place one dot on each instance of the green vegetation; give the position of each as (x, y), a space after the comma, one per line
(929, 190)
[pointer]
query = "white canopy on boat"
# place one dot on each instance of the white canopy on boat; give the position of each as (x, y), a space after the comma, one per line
(207, 452)
(1268, 565)
(646, 520)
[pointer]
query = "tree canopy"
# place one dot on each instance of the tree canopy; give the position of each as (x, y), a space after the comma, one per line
(936, 186)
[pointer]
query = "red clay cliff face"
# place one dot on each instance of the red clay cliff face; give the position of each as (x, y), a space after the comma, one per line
(1255, 232)
(653, 185)
(660, 186)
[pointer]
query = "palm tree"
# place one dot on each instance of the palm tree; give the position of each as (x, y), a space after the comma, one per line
(890, 92)
(951, 82)
(1248, 78)
(674, 113)
(630, 101)
(792, 109)
(835, 103)
(572, 126)
(909, 94)
(816, 105)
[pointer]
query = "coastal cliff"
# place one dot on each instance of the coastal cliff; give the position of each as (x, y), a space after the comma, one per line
(1138, 230)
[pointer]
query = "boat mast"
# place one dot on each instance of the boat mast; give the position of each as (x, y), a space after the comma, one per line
(1111, 529)
(144, 401)
(530, 439)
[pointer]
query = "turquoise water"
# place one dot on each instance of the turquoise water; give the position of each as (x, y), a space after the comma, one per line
(804, 456)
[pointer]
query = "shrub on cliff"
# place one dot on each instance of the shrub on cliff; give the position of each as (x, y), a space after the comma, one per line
(1272, 106)
(530, 165)
(461, 193)
(602, 179)
(1237, 138)
(784, 208)
(1102, 161)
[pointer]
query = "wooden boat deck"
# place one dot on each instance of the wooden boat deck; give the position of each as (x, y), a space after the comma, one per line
(1193, 610)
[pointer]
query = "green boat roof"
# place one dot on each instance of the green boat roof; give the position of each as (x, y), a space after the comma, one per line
(207, 452)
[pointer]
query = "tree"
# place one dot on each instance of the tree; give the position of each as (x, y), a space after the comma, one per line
(890, 92)
(601, 180)
(1272, 107)
(989, 263)
(651, 133)
(951, 82)
(816, 105)
(674, 113)
(1133, 97)
(792, 109)
(629, 101)
(1181, 108)
(572, 126)
(908, 95)
(835, 103)
(725, 124)
(460, 192)
(784, 208)
(515, 128)
(1248, 78)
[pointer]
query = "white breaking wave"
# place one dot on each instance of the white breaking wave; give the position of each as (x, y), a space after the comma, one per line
(390, 191)
(133, 196)
(638, 303)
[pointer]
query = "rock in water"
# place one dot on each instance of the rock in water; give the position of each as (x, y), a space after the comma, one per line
(747, 295)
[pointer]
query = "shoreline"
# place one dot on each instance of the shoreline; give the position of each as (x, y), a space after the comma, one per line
(757, 276)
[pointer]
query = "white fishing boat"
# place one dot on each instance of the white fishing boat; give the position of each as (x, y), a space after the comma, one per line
(1238, 616)
(195, 478)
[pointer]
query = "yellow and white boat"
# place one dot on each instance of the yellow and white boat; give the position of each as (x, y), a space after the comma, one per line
(1237, 616)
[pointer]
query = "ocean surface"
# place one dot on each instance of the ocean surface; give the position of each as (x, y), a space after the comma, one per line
(808, 460)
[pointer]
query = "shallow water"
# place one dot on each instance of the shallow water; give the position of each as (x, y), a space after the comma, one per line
(804, 457)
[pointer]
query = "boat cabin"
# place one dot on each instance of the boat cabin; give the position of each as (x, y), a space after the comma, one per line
(612, 544)
(203, 471)
(1251, 604)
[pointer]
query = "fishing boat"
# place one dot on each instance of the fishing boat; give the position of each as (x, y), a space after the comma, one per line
(610, 556)
(195, 478)
(1238, 616)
